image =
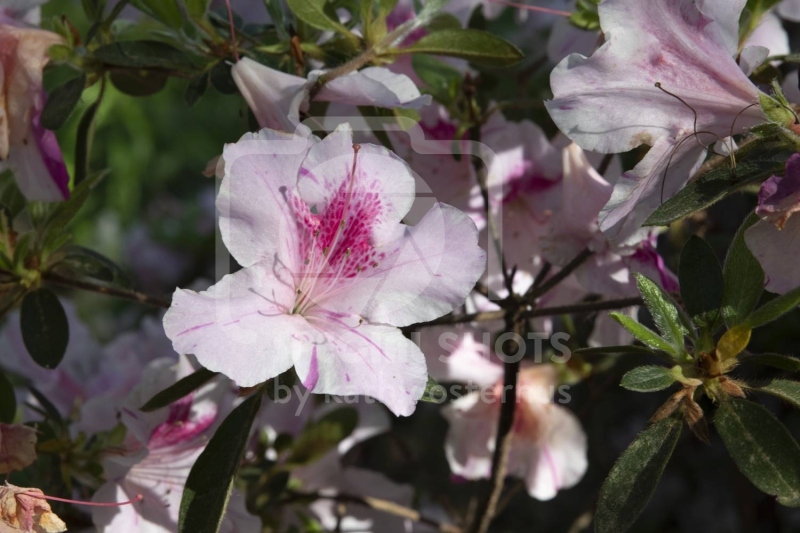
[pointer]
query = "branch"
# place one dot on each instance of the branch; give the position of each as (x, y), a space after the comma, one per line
(378, 504)
(139, 297)
(558, 277)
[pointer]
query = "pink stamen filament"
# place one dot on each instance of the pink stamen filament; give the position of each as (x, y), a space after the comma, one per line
(547, 10)
(233, 31)
(138, 498)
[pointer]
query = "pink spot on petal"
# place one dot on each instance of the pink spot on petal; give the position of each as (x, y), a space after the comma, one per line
(313, 371)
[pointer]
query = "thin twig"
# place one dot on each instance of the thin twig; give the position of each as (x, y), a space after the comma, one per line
(139, 297)
(378, 504)
(561, 275)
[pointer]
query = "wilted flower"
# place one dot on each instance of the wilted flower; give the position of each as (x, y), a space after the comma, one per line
(25, 510)
(610, 103)
(330, 272)
(27, 148)
(17, 447)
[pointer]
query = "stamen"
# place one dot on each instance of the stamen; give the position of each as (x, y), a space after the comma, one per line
(547, 10)
(233, 31)
(138, 498)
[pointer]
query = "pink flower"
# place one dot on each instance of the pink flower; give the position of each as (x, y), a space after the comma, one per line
(277, 98)
(329, 273)
(548, 449)
(30, 151)
(790, 10)
(774, 240)
(609, 102)
(17, 447)
(158, 454)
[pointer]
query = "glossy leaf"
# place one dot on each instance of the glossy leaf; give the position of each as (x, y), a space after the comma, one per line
(476, 46)
(312, 12)
(743, 277)
(178, 390)
(166, 11)
(774, 309)
(647, 336)
(208, 487)
(142, 54)
(138, 83)
(45, 330)
(634, 477)
(762, 448)
(701, 282)
(648, 378)
(61, 101)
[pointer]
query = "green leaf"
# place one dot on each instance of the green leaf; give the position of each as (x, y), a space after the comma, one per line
(615, 350)
(476, 46)
(762, 448)
(196, 88)
(434, 393)
(744, 278)
(138, 82)
(208, 487)
(701, 281)
(648, 378)
(312, 12)
(784, 389)
(142, 54)
(646, 335)
(65, 211)
(61, 101)
(634, 477)
(83, 140)
(775, 360)
(775, 111)
(178, 390)
(47, 405)
(321, 435)
(733, 342)
(774, 309)
(166, 11)
(664, 312)
(222, 79)
(8, 400)
(45, 330)
(441, 80)
(711, 188)
(93, 9)
(79, 261)
(196, 8)
(585, 15)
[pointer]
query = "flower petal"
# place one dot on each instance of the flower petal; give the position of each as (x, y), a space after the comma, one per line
(365, 359)
(240, 326)
(372, 86)
(273, 96)
(776, 250)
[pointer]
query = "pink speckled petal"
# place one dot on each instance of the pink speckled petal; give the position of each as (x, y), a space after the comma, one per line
(363, 359)
(423, 274)
(256, 218)
(240, 326)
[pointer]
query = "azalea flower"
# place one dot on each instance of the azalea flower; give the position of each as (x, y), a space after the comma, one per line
(276, 98)
(26, 148)
(790, 10)
(17, 447)
(329, 272)
(159, 452)
(610, 103)
(548, 447)
(27, 11)
(774, 240)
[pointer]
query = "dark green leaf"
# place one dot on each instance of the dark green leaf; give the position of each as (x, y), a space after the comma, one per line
(634, 477)
(711, 188)
(434, 393)
(208, 487)
(142, 54)
(322, 435)
(45, 330)
(80, 262)
(441, 80)
(196, 88)
(784, 362)
(94, 8)
(64, 212)
(762, 448)
(196, 8)
(648, 378)
(61, 101)
(664, 312)
(615, 350)
(8, 401)
(744, 278)
(312, 12)
(774, 309)
(784, 389)
(83, 141)
(280, 387)
(180, 389)
(476, 46)
(222, 80)
(138, 83)
(49, 409)
(701, 281)
(644, 334)
(166, 11)
(10, 195)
